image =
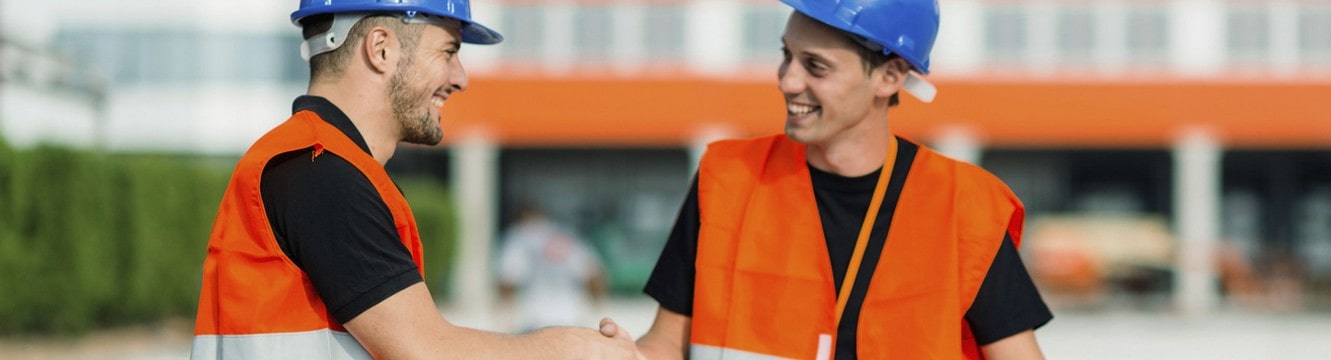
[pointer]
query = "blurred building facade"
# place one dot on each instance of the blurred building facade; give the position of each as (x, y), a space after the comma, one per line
(1192, 128)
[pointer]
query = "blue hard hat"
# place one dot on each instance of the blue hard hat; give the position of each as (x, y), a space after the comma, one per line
(472, 32)
(903, 27)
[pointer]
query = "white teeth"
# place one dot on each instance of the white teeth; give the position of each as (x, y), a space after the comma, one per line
(799, 109)
(436, 101)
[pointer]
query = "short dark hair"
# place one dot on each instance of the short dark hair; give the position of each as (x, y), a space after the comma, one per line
(332, 63)
(871, 59)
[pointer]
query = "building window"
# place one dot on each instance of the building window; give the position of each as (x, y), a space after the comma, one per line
(1076, 33)
(170, 56)
(1315, 31)
(593, 31)
(664, 31)
(295, 69)
(1148, 33)
(1249, 32)
(523, 26)
(1005, 32)
(763, 26)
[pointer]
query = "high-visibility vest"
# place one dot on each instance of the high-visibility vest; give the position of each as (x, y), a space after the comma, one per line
(257, 304)
(764, 285)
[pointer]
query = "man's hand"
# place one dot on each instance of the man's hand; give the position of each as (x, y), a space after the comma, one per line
(612, 342)
(612, 330)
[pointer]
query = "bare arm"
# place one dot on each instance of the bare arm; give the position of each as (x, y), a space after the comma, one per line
(406, 325)
(1019, 346)
(668, 338)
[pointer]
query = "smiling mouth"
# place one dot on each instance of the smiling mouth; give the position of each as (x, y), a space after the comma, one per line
(798, 109)
(437, 101)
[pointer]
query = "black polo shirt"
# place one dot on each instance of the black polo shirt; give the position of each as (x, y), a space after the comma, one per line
(1007, 303)
(330, 221)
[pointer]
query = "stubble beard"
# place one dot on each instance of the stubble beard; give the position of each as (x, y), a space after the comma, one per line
(417, 126)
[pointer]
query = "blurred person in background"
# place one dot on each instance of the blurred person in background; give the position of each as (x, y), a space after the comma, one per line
(839, 239)
(553, 275)
(314, 252)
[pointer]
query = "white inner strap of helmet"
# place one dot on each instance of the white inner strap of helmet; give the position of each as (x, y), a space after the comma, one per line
(921, 88)
(342, 22)
(333, 38)
(915, 83)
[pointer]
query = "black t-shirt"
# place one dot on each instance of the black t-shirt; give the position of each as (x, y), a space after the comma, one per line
(1006, 304)
(330, 221)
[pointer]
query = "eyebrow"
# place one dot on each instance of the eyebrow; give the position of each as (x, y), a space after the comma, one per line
(814, 55)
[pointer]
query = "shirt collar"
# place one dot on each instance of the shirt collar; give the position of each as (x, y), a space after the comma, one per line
(334, 116)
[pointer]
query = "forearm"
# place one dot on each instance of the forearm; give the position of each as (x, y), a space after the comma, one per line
(656, 348)
(668, 338)
(407, 326)
(546, 343)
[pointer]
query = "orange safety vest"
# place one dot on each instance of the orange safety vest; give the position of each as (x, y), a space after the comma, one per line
(764, 286)
(257, 304)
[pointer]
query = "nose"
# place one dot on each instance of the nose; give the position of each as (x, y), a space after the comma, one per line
(790, 78)
(457, 76)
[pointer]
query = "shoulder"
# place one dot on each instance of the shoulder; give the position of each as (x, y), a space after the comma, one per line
(303, 164)
(725, 152)
(301, 176)
(964, 177)
(745, 155)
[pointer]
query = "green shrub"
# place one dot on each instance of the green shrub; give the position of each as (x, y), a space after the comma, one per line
(93, 240)
(433, 209)
(90, 240)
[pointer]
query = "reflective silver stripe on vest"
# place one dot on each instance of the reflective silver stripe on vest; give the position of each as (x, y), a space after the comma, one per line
(318, 344)
(704, 352)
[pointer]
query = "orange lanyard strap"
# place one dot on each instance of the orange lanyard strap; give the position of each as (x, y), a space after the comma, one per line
(863, 240)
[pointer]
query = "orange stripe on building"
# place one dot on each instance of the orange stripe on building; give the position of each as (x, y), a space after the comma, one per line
(581, 111)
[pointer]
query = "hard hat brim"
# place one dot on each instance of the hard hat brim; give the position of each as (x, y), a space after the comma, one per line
(472, 31)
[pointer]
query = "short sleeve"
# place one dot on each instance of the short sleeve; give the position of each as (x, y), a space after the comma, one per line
(1008, 302)
(671, 282)
(331, 222)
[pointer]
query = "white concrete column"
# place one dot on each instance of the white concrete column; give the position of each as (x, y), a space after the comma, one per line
(483, 58)
(714, 33)
(475, 171)
(959, 142)
(627, 40)
(959, 49)
(559, 47)
(1198, 33)
(1042, 35)
(1196, 221)
(1284, 37)
(1111, 33)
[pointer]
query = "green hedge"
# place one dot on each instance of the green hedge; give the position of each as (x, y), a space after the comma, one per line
(433, 208)
(90, 241)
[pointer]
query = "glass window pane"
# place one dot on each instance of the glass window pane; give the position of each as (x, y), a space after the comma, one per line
(1315, 31)
(592, 31)
(522, 28)
(1076, 32)
(1148, 33)
(664, 31)
(1005, 31)
(763, 26)
(1249, 31)
(294, 69)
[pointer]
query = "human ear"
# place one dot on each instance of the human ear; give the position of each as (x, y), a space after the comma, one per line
(379, 50)
(891, 76)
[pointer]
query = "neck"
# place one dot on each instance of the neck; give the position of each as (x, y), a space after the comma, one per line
(368, 109)
(856, 152)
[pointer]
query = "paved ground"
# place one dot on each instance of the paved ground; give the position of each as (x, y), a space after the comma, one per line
(1091, 335)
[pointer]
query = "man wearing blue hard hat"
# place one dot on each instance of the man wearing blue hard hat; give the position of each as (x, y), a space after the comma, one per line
(315, 253)
(839, 239)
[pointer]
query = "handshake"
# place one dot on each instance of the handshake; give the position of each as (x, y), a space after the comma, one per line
(613, 342)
